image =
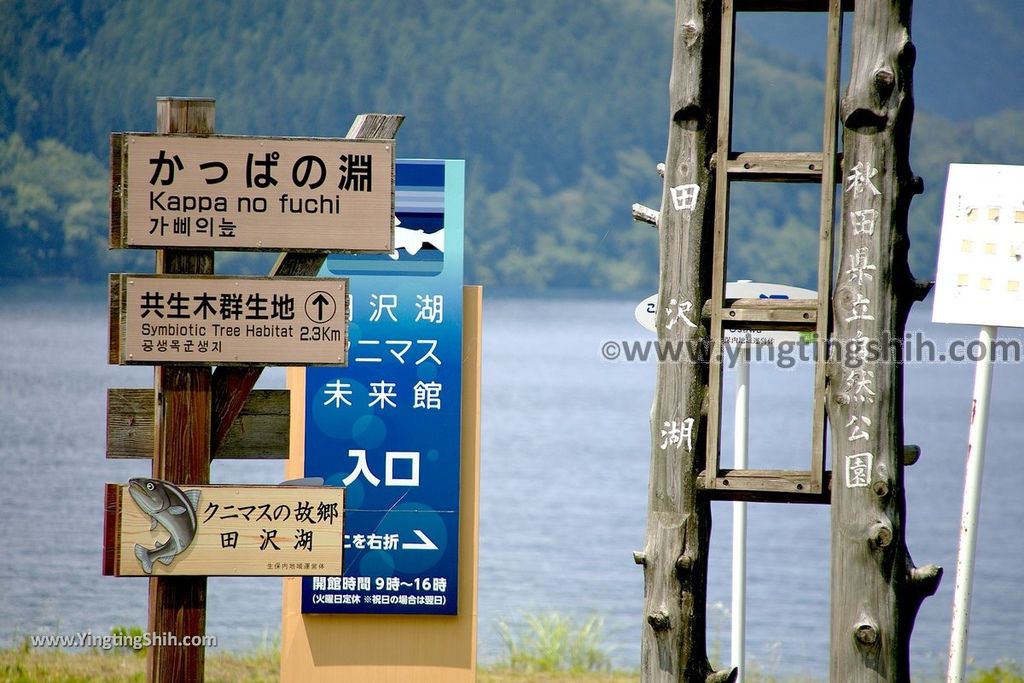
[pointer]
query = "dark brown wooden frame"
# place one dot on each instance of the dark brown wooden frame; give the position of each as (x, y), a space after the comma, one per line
(811, 485)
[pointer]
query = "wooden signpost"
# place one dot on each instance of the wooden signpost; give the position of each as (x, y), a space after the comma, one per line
(230, 531)
(259, 432)
(187, 192)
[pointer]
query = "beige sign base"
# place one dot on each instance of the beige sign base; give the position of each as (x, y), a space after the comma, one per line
(372, 648)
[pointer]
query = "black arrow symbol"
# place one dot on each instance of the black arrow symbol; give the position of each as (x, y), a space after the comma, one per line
(320, 301)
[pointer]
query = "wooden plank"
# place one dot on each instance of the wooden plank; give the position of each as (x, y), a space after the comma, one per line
(790, 305)
(720, 245)
(826, 235)
(114, 321)
(782, 306)
(130, 423)
(259, 432)
(196, 115)
(755, 321)
(261, 429)
(775, 166)
(254, 530)
(770, 314)
(782, 481)
(791, 167)
(111, 519)
(775, 314)
(184, 262)
(231, 385)
(117, 190)
(767, 486)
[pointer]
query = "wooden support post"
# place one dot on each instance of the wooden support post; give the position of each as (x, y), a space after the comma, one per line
(231, 385)
(181, 454)
(675, 557)
(876, 589)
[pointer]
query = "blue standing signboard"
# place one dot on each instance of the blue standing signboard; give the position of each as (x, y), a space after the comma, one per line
(388, 426)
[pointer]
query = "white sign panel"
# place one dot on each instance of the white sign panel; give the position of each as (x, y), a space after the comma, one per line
(981, 252)
(647, 311)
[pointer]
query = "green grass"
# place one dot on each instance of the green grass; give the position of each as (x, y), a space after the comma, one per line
(1007, 672)
(25, 665)
(553, 642)
(542, 648)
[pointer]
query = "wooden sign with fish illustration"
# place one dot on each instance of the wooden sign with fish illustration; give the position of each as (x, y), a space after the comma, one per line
(155, 528)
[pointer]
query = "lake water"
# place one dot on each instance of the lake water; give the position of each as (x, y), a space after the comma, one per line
(564, 488)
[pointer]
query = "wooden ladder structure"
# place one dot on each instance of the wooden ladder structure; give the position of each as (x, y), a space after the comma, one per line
(876, 589)
(812, 315)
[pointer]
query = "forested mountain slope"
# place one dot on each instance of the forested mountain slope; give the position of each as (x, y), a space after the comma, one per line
(559, 108)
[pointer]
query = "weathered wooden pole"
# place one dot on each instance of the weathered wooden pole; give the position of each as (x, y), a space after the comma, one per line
(177, 604)
(876, 589)
(679, 521)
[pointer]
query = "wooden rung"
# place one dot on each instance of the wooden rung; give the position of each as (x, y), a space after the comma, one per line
(792, 486)
(749, 320)
(259, 432)
(788, 5)
(771, 311)
(773, 314)
(785, 167)
(766, 304)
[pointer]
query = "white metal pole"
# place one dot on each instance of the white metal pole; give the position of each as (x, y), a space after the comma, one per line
(972, 501)
(739, 514)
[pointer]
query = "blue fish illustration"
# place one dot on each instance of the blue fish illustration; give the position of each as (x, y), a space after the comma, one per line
(173, 509)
